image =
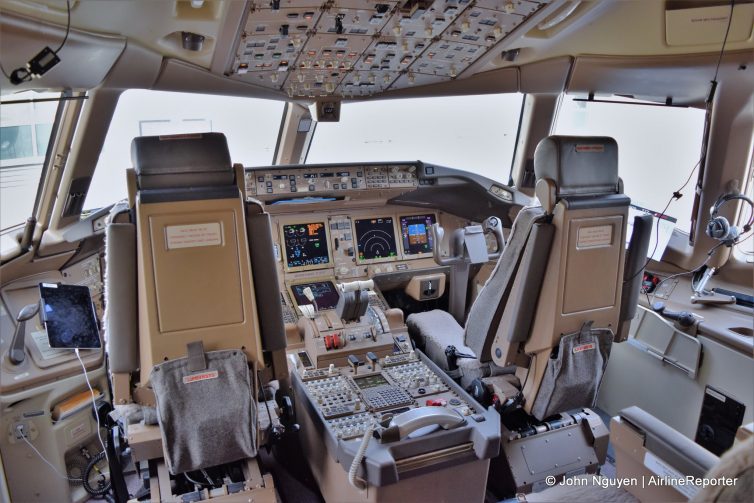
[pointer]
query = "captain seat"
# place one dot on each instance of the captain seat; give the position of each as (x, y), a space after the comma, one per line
(561, 274)
(185, 333)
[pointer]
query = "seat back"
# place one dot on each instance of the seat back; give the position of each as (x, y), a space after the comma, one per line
(193, 262)
(581, 194)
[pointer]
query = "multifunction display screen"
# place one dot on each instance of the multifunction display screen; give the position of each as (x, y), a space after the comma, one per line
(370, 381)
(416, 231)
(375, 238)
(324, 292)
(306, 244)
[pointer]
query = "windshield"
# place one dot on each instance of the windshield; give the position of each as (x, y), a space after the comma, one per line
(658, 149)
(25, 130)
(473, 133)
(251, 126)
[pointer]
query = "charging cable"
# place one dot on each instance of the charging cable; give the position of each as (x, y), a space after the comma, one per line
(94, 407)
(22, 434)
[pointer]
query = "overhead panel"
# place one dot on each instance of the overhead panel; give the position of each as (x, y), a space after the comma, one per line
(348, 48)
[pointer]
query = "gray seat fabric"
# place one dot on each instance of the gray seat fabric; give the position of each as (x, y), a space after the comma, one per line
(579, 165)
(200, 426)
(573, 376)
(486, 311)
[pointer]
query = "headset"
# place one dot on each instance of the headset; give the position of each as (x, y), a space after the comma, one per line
(719, 228)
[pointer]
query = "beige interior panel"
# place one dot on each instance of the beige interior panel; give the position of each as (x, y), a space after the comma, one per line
(198, 284)
(197, 287)
(593, 251)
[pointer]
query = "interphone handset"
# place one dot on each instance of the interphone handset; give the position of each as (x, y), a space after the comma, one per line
(408, 422)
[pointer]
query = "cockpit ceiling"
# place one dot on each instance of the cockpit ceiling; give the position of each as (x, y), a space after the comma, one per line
(354, 48)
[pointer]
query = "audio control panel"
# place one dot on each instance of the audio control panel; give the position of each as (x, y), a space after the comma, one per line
(350, 399)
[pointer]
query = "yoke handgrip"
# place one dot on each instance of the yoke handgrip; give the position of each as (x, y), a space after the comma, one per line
(408, 422)
(495, 226)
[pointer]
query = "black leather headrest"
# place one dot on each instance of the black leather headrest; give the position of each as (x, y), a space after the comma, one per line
(579, 165)
(182, 161)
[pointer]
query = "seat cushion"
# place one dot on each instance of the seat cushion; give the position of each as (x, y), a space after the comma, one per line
(435, 331)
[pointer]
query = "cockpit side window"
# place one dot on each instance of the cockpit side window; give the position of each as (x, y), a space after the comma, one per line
(249, 124)
(26, 124)
(473, 133)
(744, 250)
(659, 148)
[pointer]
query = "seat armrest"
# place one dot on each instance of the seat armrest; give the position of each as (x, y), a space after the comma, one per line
(669, 445)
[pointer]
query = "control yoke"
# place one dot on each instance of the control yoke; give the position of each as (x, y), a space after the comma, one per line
(408, 422)
(467, 247)
(17, 352)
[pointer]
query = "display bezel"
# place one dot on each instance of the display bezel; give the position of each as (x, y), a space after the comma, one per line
(88, 333)
(376, 260)
(412, 256)
(284, 251)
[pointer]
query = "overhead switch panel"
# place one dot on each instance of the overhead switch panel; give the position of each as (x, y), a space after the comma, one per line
(355, 48)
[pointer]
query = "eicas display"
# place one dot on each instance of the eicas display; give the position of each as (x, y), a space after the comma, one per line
(306, 244)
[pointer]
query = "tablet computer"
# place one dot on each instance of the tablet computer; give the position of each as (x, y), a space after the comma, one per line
(69, 317)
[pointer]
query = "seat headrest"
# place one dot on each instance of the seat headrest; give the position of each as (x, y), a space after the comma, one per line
(182, 161)
(579, 165)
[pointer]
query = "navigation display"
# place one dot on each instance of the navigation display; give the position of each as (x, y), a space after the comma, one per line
(376, 238)
(324, 292)
(306, 245)
(416, 231)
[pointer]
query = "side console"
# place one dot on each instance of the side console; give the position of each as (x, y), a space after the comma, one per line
(426, 438)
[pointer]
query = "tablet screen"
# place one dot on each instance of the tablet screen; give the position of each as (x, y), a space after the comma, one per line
(68, 313)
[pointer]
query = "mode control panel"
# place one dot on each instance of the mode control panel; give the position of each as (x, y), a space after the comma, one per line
(302, 181)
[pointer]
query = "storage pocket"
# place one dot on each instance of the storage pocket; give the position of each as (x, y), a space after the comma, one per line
(206, 417)
(574, 374)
